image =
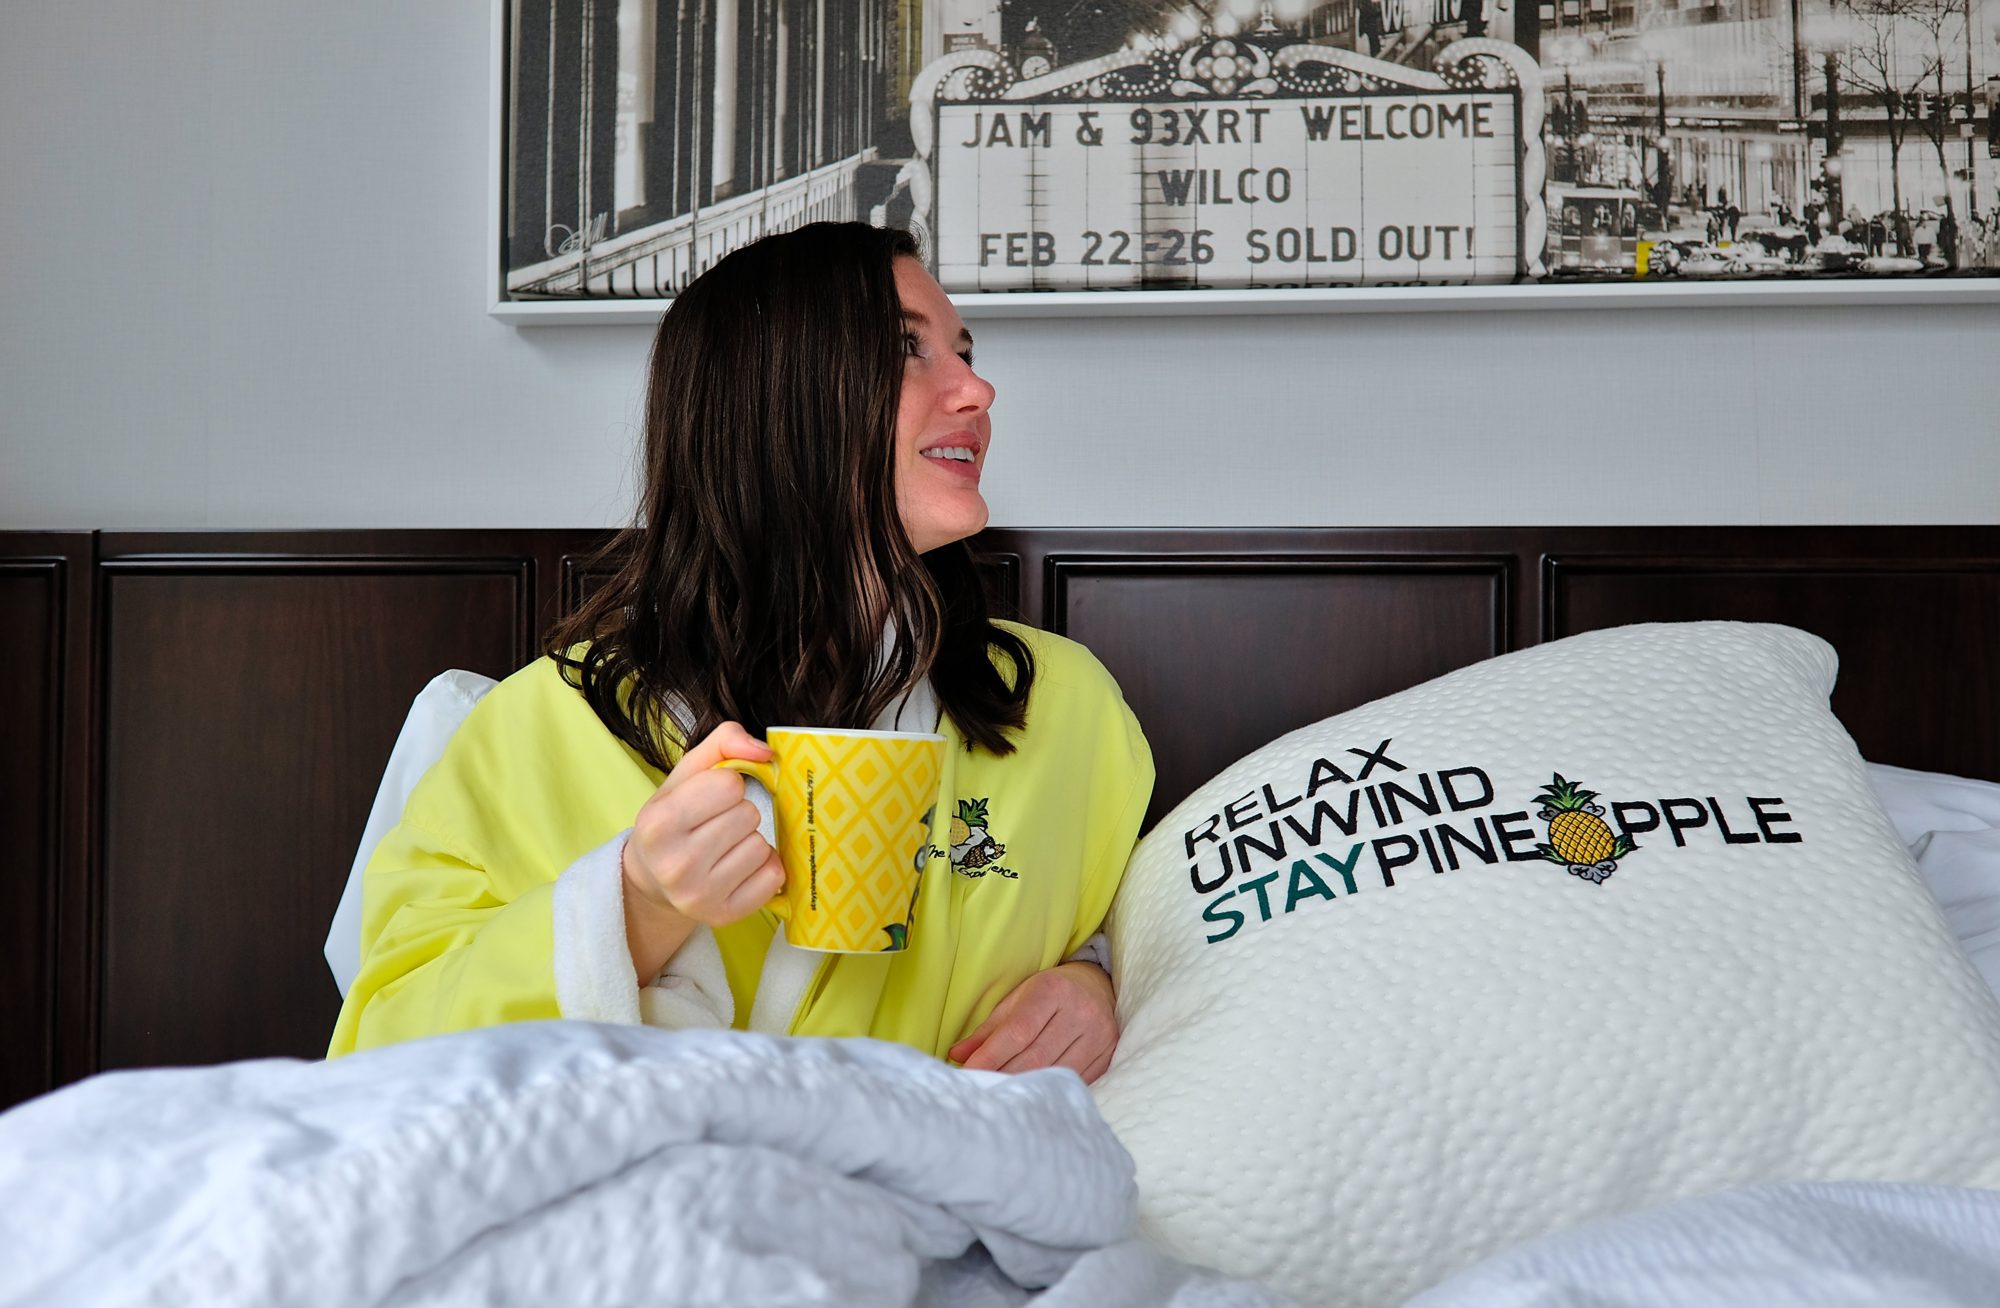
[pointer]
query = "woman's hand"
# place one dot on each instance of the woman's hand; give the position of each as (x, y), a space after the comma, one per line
(1064, 1017)
(695, 855)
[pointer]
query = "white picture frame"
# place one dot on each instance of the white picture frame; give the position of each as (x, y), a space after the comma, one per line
(1818, 291)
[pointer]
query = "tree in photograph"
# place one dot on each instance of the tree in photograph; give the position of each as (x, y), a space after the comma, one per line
(1944, 29)
(1891, 59)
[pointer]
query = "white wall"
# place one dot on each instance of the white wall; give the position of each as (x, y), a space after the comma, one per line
(241, 252)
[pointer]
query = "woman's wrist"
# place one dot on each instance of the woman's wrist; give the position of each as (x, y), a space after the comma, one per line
(1090, 974)
(654, 929)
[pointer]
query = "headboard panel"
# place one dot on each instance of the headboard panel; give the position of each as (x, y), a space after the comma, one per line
(206, 714)
(1239, 650)
(1224, 639)
(1918, 637)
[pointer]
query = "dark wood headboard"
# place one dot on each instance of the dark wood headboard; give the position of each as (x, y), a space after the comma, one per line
(192, 726)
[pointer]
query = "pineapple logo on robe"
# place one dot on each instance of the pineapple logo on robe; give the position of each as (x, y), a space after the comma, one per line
(1578, 836)
(972, 846)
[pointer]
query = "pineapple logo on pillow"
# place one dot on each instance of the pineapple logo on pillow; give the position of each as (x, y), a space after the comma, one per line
(1344, 828)
(1578, 837)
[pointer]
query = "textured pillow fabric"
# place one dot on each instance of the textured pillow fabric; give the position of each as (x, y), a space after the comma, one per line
(1569, 933)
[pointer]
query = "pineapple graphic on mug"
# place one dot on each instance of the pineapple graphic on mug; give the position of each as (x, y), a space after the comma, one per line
(1579, 838)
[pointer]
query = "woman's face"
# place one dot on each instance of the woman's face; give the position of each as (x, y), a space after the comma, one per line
(942, 426)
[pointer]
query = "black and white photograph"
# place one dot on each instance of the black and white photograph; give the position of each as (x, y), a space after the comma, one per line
(1064, 145)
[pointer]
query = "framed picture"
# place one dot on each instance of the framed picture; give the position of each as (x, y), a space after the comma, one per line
(1142, 156)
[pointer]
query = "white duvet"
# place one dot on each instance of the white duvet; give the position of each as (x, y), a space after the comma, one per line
(572, 1164)
(592, 1166)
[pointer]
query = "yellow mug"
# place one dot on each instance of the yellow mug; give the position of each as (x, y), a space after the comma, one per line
(853, 813)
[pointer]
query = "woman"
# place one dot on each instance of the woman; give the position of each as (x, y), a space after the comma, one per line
(815, 435)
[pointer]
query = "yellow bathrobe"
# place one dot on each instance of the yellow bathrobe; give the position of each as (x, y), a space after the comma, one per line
(457, 929)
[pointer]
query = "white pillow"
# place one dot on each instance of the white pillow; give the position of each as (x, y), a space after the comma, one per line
(1952, 826)
(1919, 803)
(434, 715)
(1352, 1093)
(1962, 869)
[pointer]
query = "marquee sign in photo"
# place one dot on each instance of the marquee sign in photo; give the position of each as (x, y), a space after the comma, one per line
(1381, 189)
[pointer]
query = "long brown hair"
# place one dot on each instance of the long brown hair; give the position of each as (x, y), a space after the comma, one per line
(768, 558)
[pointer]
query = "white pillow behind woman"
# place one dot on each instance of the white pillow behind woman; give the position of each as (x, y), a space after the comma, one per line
(1952, 826)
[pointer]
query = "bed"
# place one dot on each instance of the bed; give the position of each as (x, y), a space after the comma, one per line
(209, 715)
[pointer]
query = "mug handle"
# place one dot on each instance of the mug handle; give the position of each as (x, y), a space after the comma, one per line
(768, 774)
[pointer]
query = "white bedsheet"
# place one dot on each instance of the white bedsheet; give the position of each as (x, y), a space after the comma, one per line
(572, 1164)
(1806, 1245)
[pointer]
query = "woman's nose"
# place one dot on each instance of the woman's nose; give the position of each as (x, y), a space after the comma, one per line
(973, 391)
